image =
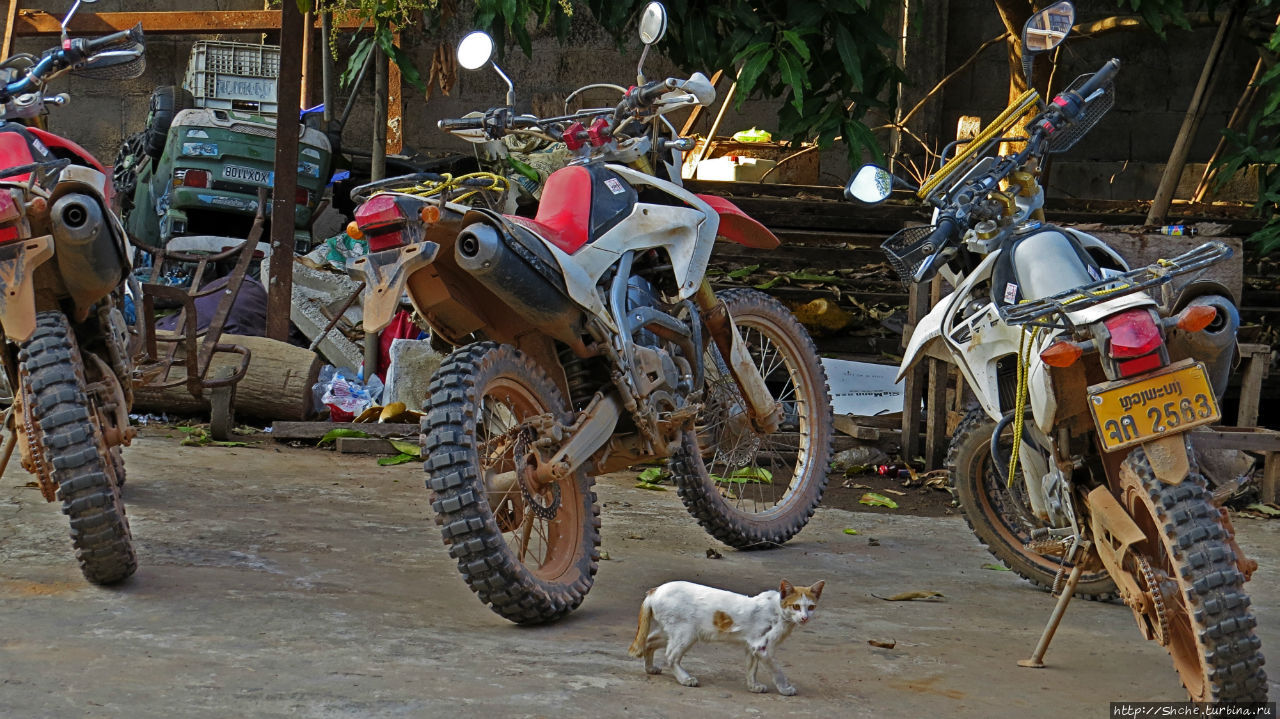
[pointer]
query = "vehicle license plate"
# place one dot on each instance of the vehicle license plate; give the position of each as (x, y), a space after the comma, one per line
(1129, 412)
(247, 174)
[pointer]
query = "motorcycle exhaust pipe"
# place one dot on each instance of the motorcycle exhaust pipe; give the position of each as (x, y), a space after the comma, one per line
(85, 249)
(482, 252)
(1215, 345)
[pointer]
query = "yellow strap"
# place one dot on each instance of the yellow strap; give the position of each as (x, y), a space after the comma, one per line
(1007, 119)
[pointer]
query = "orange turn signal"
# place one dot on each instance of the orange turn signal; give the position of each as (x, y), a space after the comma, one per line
(353, 231)
(1196, 317)
(430, 214)
(1061, 354)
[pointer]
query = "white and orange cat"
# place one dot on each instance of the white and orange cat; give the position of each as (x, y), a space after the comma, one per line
(678, 614)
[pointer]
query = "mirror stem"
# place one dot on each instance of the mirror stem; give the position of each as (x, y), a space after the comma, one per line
(640, 66)
(511, 89)
(67, 20)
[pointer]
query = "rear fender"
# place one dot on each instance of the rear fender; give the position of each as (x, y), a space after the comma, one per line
(739, 227)
(384, 274)
(18, 263)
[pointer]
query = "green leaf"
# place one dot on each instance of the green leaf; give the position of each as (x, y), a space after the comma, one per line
(790, 68)
(798, 43)
(996, 567)
(407, 71)
(751, 72)
(406, 447)
(651, 474)
(810, 277)
(356, 61)
(770, 283)
(850, 530)
(217, 443)
(398, 459)
(650, 486)
(877, 500)
(849, 55)
(743, 272)
(341, 432)
(755, 475)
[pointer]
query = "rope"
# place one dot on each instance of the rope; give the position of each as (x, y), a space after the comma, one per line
(497, 183)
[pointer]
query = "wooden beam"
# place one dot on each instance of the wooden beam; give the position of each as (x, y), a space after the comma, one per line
(35, 23)
(9, 21)
(283, 204)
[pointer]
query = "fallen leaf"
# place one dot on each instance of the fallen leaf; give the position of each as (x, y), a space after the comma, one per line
(883, 645)
(877, 500)
(406, 447)
(745, 475)
(1269, 510)
(769, 284)
(894, 491)
(743, 272)
(651, 474)
(713, 554)
(850, 530)
(337, 432)
(996, 567)
(910, 596)
(650, 486)
(398, 459)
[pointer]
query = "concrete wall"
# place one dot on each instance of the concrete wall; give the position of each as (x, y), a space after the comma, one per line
(1121, 158)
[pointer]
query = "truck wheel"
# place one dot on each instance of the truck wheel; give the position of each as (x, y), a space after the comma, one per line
(166, 102)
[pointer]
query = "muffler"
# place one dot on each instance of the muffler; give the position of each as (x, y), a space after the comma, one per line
(483, 252)
(85, 251)
(1215, 345)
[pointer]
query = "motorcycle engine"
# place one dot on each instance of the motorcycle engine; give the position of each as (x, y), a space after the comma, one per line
(659, 370)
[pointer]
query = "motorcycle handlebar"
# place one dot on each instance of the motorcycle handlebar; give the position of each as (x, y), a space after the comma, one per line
(464, 123)
(1100, 78)
(651, 91)
(132, 35)
(939, 238)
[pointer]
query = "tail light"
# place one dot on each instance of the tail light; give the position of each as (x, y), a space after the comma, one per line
(302, 196)
(1195, 318)
(192, 178)
(10, 213)
(382, 221)
(1135, 343)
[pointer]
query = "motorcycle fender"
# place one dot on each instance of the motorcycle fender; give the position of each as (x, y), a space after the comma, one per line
(926, 340)
(18, 263)
(740, 227)
(385, 274)
(1168, 458)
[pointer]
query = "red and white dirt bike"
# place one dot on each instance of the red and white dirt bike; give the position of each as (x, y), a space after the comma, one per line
(588, 340)
(63, 259)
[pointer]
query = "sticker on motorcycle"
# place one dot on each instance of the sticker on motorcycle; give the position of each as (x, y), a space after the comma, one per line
(1010, 293)
(1130, 412)
(248, 174)
(615, 186)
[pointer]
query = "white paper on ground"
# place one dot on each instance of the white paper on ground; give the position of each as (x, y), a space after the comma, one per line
(863, 389)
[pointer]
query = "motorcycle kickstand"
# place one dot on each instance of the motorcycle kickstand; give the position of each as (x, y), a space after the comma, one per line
(1055, 617)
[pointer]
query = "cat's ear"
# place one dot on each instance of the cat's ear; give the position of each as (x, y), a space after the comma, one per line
(786, 588)
(817, 589)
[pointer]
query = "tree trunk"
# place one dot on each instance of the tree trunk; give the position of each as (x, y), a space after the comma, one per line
(378, 169)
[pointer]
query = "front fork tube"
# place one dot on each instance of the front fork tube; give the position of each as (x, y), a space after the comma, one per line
(765, 414)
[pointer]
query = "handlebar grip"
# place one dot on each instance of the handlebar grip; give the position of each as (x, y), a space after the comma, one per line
(1100, 78)
(465, 123)
(939, 238)
(651, 91)
(132, 35)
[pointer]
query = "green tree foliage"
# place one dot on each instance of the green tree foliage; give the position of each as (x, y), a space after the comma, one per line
(829, 61)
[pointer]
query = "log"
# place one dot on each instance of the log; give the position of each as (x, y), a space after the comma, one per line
(276, 386)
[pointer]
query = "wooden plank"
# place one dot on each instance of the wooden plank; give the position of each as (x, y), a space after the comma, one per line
(1251, 440)
(1256, 360)
(285, 431)
(1270, 488)
(283, 202)
(9, 20)
(913, 388)
(35, 23)
(848, 425)
(365, 445)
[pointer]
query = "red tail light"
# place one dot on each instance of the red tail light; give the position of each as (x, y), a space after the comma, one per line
(1133, 334)
(381, 219)
(1129, 368)
(10, 210)
(302, 196)
(9, 233)
(195, 178)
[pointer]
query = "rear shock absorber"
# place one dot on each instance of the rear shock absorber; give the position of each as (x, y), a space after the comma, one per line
(578, 376)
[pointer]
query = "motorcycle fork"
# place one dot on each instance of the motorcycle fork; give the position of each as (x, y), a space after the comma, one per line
(765, 414)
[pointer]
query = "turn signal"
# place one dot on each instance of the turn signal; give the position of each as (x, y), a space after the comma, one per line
(353, 231)
(1061, 354)
(430, 214)
(1196, 317)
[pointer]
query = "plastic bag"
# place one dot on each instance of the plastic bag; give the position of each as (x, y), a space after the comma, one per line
(342, 393)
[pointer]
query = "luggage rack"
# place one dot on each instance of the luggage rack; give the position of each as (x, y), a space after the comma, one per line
(1052, 312)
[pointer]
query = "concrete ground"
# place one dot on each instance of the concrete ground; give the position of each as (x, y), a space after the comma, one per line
(279, 582)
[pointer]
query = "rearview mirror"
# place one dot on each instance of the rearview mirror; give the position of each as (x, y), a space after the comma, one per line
(653, 23)
(1048, 28)
(871, 185)
(475, 50)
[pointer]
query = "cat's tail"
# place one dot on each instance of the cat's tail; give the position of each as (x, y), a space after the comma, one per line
(642, 630)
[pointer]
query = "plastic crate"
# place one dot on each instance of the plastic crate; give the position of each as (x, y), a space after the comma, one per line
(233, 76)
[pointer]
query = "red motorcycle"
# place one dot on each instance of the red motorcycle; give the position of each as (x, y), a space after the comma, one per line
(63, 261)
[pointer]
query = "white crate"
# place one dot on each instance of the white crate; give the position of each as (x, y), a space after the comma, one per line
(233, 76)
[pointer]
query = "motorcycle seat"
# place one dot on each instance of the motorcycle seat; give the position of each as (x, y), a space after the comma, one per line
(1041, 264)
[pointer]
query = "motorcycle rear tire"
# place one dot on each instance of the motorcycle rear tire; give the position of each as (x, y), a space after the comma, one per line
(72, 446)
(480, 397)
(797, 379)
(1003, 531)
(1211, 637)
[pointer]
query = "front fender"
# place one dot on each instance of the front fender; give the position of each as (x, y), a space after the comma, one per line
(926, 340)
(18, 263)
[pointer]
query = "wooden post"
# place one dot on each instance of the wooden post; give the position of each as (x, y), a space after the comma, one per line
(1255, 361)
(308, 63)
(935, 436)
(913, 389)
(922, 55)
(326, 65)
(10, 18)
(378, 168)
(1199, 102)
(280, 286)
(1270, 489)
(395, 107)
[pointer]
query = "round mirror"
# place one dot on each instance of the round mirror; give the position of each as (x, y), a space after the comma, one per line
(653, 23)
(870, 185)
(1048, 28)
(475, 50)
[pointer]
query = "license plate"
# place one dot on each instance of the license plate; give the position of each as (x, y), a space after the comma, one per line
(1132, 412)
(247, 174)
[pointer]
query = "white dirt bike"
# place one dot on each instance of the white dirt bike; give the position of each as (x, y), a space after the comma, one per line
(588, 340)
(1099, 382)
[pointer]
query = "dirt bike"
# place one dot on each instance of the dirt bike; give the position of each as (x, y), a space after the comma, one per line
(588, 340)
(1101, 476)
(63, 259)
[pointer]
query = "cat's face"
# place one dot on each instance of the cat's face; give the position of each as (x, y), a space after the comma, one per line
(799, 603)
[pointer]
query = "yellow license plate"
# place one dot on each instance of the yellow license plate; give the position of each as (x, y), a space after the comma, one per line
(1132, 412)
